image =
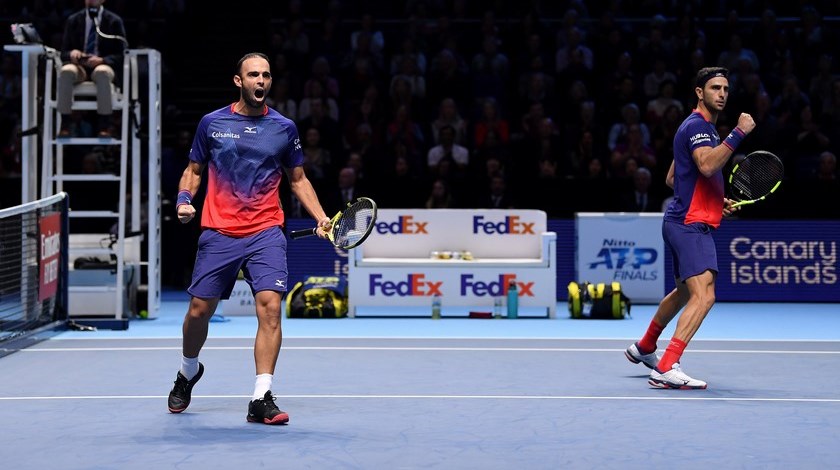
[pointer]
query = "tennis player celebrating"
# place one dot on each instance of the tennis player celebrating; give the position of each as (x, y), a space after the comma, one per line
(698, 205)
(245, 145)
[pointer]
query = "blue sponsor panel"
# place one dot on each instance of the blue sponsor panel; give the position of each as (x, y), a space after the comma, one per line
(312, 256)
(788, 261)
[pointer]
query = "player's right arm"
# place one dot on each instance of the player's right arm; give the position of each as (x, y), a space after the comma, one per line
(190, 181)
(710, 160)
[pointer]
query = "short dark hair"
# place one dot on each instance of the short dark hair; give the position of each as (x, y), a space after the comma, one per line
(247, 56)
(707, 73)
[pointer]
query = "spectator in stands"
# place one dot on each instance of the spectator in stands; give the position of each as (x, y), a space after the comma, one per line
(402, 188)
(822, 83)
(343, 192)
(827, 167)
(281, 100)
(496, 195)
(730, 57)
(367, 32)
(448, 115)
(321, 74)
(638, 198)
(448, 79)
(365, 181)
(653, 81)
(409, 51)
(406, 131)
(490, 70)
(320, 119)
(328, 42)
(317, 160)
(296, 43)
(411, 74)
(630, 115)
(573, 44)
(767, 133)
(87, 55)
(490, 121)
(448, 149)
(439, 196)
(371, 111)
(317, 93)
(665, 99)
(633, 148)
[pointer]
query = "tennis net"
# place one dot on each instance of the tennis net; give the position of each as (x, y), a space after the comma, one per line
(33, 271)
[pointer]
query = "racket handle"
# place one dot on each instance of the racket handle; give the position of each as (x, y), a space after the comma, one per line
(308, 232)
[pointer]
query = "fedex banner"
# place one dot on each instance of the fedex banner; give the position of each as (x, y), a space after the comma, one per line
(623, 247)
(492, 233)
(765, 261)
(408, 286)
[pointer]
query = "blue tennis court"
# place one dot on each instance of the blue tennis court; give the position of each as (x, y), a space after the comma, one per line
(376, 393)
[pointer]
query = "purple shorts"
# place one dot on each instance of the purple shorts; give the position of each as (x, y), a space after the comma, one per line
(261, 257)
(692, 248)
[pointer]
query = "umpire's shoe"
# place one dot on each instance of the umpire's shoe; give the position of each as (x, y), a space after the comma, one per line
(179, 397)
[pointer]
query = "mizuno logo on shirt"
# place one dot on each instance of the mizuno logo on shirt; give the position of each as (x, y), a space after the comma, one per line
(280, 283)
(250, 130)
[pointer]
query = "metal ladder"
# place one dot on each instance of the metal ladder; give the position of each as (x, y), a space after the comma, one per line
(123, 251)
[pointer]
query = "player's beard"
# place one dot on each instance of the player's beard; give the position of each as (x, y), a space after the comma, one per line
(252, 101)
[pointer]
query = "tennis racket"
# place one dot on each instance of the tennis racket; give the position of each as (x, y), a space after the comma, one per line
(350, 227)
(755, 178)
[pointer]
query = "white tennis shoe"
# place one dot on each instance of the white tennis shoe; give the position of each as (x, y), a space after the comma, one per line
(674, 378)
(635, 356)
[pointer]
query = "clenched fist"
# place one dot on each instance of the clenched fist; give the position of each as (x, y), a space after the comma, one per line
(186, 212)
(746, 123)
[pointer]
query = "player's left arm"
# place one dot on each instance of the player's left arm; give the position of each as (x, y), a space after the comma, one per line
(669, 179)
(304, 191)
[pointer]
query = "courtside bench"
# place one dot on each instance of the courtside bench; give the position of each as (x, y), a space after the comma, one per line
(396, 268)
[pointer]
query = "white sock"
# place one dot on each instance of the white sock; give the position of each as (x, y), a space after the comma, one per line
(262, 385)
(189, 366)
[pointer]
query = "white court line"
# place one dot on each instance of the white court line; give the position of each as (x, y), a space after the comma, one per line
(441, 397)
(416, 348)
(448, 338)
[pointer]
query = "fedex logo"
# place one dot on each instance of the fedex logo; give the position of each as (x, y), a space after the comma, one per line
(413, 285)
(405, 224)
(495, 288)
(511, 225)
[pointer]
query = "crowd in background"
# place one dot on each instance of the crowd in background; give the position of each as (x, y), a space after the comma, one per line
(562, 106)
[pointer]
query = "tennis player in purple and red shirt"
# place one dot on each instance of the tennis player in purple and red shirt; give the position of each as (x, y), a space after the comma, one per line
(696, 210)
(245, 147)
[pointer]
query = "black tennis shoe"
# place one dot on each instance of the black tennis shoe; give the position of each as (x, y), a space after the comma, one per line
(179, 397)
(264, 410)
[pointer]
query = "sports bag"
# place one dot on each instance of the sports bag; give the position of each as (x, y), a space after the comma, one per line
(598, 301)
(318, 297)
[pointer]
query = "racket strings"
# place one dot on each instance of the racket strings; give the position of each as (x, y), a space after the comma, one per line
(756, 176)
(353, 223)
